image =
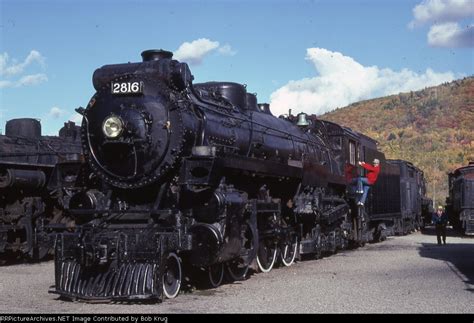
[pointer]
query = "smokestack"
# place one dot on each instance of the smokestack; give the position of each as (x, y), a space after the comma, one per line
(155, 55)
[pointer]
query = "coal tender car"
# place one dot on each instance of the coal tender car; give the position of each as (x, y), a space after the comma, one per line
(400, 199)
(460, 202)
(198, 178)
(35, 171)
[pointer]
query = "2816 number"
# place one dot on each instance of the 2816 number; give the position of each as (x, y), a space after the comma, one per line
(127, 87)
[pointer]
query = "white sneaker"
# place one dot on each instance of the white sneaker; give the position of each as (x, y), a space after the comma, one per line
(360, 203)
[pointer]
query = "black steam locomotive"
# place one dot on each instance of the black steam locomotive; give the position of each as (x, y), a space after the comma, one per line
(35, 171)
(460, 202)
(184, 175)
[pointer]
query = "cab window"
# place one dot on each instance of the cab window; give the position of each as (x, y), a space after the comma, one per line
(352, 152)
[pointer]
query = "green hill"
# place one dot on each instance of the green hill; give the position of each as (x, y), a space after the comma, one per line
(433, 128)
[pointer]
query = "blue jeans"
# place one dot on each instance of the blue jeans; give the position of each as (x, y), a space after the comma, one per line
(363, 181)
(362, 186)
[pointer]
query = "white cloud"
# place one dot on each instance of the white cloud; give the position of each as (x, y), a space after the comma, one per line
(33, 79)
(445, 16)
(194, 52)
(5, 84)
(12, 68)
(226, 50)
(442, 11)
(451, 35)
(342, 81)
(3, 62)
(26, 80)
(56, 112)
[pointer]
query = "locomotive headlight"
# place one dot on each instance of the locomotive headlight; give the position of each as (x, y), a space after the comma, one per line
(112, 127)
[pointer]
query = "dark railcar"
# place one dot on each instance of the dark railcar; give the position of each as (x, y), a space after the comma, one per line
(412, 192)
(460, 202)
(427, 211)
(33, 168)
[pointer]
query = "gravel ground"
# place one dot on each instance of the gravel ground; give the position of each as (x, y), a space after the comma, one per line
(408, 274)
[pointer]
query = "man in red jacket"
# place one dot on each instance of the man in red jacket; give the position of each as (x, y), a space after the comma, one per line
(365, 183)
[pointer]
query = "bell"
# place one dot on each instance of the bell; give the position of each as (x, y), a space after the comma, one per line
(302, 122)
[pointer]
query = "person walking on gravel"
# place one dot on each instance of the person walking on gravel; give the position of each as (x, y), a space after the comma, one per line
(440, 220)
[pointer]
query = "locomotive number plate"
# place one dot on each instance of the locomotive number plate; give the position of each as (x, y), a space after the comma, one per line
(127, 87)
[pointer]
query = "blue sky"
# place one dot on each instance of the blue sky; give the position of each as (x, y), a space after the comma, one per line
(305, 55)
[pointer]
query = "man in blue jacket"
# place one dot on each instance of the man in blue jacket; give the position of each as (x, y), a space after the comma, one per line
(440, 220)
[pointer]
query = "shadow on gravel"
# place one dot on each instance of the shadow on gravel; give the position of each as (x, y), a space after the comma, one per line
(450, 232)
(15, 259)
(458, 256)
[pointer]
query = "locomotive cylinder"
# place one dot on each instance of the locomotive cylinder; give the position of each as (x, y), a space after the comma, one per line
(23, 179)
